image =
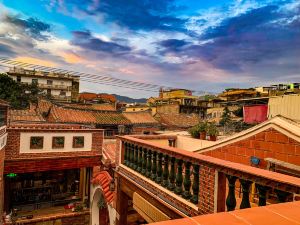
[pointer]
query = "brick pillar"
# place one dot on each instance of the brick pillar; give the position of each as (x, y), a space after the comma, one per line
(121, 205)
(221, 192)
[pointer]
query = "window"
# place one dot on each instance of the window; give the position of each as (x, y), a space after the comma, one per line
(58, 142)
(18, 78)
(48, 91)
(36, 142)
(2, 117)
(78, 142)
(34, 81)
(49, 82)
(62, 93)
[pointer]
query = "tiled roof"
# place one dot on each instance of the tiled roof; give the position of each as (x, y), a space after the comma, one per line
(109, 152)
(140, 117)
(44, 106)
(101, 107)
(103, 179)
(66, 115)
(92, 96)
(28, 115)
(279, 214)
(181, 120)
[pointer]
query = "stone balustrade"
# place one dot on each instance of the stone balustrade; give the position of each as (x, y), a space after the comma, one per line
(188, 175)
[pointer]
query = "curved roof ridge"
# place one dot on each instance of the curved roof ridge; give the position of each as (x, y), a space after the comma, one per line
(280, 123)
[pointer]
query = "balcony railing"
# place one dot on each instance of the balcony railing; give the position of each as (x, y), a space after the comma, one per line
(51, 86)
(3, 137)
(192, 176)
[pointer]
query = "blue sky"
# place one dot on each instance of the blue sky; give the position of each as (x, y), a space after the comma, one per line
(195, 44)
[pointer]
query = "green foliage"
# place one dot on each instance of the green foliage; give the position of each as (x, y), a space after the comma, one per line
(17, 94)
(196, 130)
(212, 129)
(226, 118)
(239, 112)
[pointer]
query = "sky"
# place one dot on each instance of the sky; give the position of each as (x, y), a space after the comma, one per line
(204, 45)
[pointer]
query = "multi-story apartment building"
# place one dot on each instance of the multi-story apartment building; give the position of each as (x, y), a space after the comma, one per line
(61, 87)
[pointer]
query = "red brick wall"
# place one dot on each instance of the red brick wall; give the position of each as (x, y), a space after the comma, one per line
(2, 152)
(207, 189)
(140, 130)
(13, 145)
(266, 144)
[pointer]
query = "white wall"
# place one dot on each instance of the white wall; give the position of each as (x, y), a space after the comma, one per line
(47, 147)
(192, 144)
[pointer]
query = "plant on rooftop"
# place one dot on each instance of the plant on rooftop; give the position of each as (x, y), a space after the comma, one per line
(199, 129)
(212, 131)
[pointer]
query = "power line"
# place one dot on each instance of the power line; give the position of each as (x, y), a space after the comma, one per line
(92, 78)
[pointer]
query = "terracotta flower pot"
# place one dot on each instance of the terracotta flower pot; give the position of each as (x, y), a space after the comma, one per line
(212, 138)
(203, 135)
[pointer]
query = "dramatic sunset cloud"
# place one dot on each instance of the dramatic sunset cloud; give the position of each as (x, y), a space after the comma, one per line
(200, 45)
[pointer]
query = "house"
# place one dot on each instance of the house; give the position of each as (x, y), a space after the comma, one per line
(177, 121)
(61, 87)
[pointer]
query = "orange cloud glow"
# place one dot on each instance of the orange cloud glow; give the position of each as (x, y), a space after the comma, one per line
(36, 61)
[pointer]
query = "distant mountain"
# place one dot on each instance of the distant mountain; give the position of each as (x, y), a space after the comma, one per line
(126, 99)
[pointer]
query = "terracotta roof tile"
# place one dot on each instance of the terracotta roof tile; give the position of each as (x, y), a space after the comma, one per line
(28, 115)
(109, 152)
(103, 179)
(279, 214)
(101, 107)
(66, 115)
(181, 120)
(140, 118)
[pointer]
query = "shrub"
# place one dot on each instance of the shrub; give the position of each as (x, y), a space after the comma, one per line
(212, 129)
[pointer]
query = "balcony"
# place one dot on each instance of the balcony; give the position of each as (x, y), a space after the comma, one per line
(58, 87)
(193, 184)
(3, 137)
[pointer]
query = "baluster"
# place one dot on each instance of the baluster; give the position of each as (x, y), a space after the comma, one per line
(140, 160)
(281, 195)
(149, 164)
(230, 200)
(144, 163)
(262, 194)
(136, 157)
(165, 182)
(196, 184)
(159, 168)
(172, 175)
(246, 191)
(179, 177)
(154, 165)
(187, 181)
(125, 153)
(131, 162)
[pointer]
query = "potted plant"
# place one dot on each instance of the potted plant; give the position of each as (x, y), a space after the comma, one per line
(194, 131)
(202, 130)
(212, 132)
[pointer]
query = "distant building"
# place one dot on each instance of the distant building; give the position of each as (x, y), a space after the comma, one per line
(140, 108)
(61, 87)
(87, 97)
(236, 94)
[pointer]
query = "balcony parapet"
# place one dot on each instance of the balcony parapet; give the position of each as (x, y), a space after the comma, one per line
(201, 179)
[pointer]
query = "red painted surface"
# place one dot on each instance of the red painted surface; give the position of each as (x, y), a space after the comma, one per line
(255, 114)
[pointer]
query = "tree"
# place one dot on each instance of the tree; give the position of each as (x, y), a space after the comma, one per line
(17, 94)
(226, 118)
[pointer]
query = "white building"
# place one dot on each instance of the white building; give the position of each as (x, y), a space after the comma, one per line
(62, 87)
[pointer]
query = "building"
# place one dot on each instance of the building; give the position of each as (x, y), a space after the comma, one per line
(177, 121)
(3, 139)
(233, 94)
(87, 97)
(61, 87)
(142, 122)
(156, 182)
(139, 108)
(48, 171)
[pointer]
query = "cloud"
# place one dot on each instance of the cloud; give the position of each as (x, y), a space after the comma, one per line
(85, 40)
(172, 45)
(32, 26)
(134, 15)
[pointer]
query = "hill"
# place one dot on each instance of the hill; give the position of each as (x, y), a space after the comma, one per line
(130, 100)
